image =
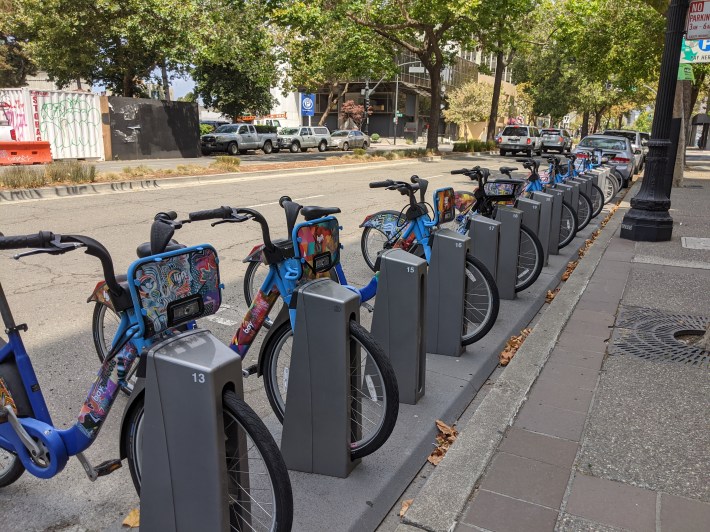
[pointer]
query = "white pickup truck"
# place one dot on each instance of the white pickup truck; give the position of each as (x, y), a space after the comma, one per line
(239, 138)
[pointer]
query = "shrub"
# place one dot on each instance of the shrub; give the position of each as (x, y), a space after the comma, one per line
(461, 146)
(137, 171)
(23, 177)
(359, 152)
(206, 128)
(265, 129)
(375, 137)
(379, 153)
(227, 163)
(408, 141)
(72, 171)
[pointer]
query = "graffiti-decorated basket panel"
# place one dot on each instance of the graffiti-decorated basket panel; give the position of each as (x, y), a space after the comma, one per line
(319, 245)
(174, 288)
(445, 204)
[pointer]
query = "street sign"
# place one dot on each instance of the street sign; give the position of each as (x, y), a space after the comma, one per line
(308, 102)
(685, 73)
(399, 115)
(695, 51)
(698, 21)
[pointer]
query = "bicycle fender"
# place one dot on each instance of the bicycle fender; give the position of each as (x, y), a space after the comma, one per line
(281, 317)
(255, 255)
(386, 221)
(101, 295)
(136, 397)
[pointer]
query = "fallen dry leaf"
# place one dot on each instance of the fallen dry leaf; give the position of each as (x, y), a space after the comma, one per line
(551, 295)
(133, 518)
(405, 506)
(446, 436)
(512, 346)
(570, 268)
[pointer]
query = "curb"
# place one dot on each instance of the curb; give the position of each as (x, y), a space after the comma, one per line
(63, 191)
(437, 506)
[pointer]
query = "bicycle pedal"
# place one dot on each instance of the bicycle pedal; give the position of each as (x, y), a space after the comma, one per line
(368, 307)
(107, 467)
(251, 370)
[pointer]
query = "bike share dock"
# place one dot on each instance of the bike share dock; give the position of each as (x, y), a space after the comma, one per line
(363, 499)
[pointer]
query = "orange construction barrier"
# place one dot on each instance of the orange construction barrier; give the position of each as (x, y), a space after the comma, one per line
(20, 152)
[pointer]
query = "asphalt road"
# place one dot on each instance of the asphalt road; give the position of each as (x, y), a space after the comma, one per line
(49, 294)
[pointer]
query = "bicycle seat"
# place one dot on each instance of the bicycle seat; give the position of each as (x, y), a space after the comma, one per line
(311, 213)
(507, 169)
(144, 249)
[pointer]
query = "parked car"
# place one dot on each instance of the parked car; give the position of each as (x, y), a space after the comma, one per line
(556, 139)
(345, 139)
(519, 138)
(238, 138)
(297, 139)
(616, 149)
(637, 143)
(7, 132)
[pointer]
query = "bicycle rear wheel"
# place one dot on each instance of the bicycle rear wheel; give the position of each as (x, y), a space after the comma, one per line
(258, 487)
(530, 259)
(481, 301)
(11, 468)
(374, 389)
(584, 210)
(568, 225)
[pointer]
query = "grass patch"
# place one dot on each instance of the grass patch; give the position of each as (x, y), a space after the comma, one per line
(226, 163)
(38, 176)
(137, 171)
(23, 177)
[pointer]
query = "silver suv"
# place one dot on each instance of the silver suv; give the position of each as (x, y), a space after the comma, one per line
(519, 138)
(556, 139)
(298, 139)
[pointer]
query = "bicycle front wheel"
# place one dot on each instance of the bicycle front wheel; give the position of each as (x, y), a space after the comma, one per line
(568, 225)
(253, 280)
(374, 392)
(481, 301)
(584, 210)
(597, 198)
(530, 259)
(258, 486)
(372, 242)
(104, 326)
(11, 468)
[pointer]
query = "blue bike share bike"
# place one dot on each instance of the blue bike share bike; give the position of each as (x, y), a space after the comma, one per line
(161, 293)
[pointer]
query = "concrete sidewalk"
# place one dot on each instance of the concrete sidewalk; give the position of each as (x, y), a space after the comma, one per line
(613, 435)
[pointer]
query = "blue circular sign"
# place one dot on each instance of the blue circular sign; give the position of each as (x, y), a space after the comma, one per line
(704, 45)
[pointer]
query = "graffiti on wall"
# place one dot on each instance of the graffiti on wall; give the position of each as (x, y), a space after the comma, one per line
(67, 123)
(14, 108)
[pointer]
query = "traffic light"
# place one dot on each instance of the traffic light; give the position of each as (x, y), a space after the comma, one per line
(367, 104)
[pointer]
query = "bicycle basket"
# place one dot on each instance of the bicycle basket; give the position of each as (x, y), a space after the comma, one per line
(503, 190)
(175, 287)
(318, 246)
(445, 203)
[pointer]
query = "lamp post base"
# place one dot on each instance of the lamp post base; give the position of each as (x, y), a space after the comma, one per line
(647, 226)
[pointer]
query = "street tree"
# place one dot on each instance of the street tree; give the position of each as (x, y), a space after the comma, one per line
(471, 102)
(116, 43)
(503, 27)
(312, 58)
(351, 111)
(431, 30)
(15, 63)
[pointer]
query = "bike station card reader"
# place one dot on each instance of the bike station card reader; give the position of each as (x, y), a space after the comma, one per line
(184, 474)
(531, 218)
(445, 292)
(508, 247)
(399, 319)
(317, 423)
(546, 226)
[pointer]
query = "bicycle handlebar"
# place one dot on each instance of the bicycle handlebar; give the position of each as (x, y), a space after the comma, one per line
(50, 241)
(211, 214)
(382, 184)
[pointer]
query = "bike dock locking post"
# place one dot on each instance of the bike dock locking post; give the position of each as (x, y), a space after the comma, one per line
(547, 229)
(571, 196)
(531, 218)
(485, 234)
(399, 319)
(445, 292)
(317, 423)
(508, 248)
(184, 471)
(556, 221)
(585, 185)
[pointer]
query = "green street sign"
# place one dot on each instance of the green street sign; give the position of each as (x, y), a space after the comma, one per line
(685, 72)
(399, 115)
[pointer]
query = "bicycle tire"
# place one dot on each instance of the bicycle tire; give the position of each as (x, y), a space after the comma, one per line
(597, 198)
(528, 271)
(102, 344)
(10, 473)
(584, 210)
(235, 410)
(479, 284)
(568, 225)
(364, 247)
(389, 395)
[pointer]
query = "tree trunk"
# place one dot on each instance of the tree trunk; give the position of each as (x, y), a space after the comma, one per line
(493, 117)
(166, 81)
(127, 85)
(621, 120)
(78, 84)
(432, 140)
(679, 111)
(585, 124)
(332, 99)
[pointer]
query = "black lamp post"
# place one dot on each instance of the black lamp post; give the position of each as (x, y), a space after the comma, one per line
(648, 219)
